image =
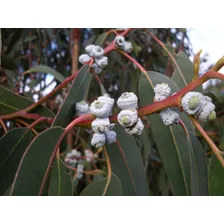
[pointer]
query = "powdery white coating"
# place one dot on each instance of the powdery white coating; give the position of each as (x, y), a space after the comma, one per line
(90, 157)
(100, 109)
(82, 108)
(119, 41)
(127, 118)
(106, 99)
(101, 125)
(169, 117)
(102, 62)
(208, 108)
(162, 89)
(137, 129)
(96, 68)
(128, 100)
(89, 49)
(192, 102)
(98, 140)
(111, 126)
(127, 47)
(159, 97)
(84, 58)
(80, 169)
(97, 52)
(111, 137)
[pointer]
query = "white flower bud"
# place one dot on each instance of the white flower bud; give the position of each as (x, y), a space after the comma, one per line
(111, 137)
(96, 68)
(128, 101)
(97, 52)
(98, 140)
(192, 102)
(69, 155)
(162, 89)
(127, 47)
(206, 111)
(89, 156)
(84, 58)
(127, 118)
(111, 126)
(137, 129)
(80, 169)
(169, 117)
(89, 49)
(74, 152)
(119, 41)
(82, 108)
(100, 125)
(106, 99)
(159, 97)
(100, 109)
(102, 62)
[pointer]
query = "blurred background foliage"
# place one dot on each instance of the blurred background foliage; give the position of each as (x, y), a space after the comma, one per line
(23, 49)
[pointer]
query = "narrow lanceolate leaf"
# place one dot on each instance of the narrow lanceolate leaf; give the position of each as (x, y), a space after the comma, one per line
(183, 68)
(12, 147)
(11, 102)
(47, 70)
(102, 37)
(127, 164)
(97, 188)
(171, 142)
(215, 177)
(60, 180)
(34, 163)
(199, 168)
(76, 93)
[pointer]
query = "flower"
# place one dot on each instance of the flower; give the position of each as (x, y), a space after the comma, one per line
(98, 140)
(100, 109)
(119, 41)
(102, 62)
(127, 47)
(110, 136)
(137, 129)
(84, 58)
(82, 108)
(128, 100)
(169, 117)
(100, 125)
(127, 118)
(97, 52)
(192, 102)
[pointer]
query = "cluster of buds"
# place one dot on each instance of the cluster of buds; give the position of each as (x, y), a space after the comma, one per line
(102, 109)
(168, 116)
(97, 53)
(128, 116)
(76, 160)
(122, 44)
(194, 103)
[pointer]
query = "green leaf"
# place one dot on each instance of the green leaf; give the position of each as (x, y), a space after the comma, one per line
(47, 70)
(183, 68)
(199, 168)
(11, 102)
(76, 93)
(100, 40)
(127, 164)
(97, 188)
(60, 180)
(216, 177)
(8, 63)
(34, 163)
(171, 142)
(13, 145)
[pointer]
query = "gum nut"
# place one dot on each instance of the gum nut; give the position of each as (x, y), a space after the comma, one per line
(111, 137)
(98, 140)
(206, 111)
(100, 125)
(106, 99)
(84, 58)
(89, 49)
(127, 47)
(137, 129)
(82, 108)
(128, 100)
(102, 62)
(162, 89)
(127, 118)
(119, 41)
(158, 97)
(100, 109)
(96, 68)
(98, 52)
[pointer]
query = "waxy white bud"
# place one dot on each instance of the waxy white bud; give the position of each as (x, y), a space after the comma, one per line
(111, 137)
(128, 100)
(100, 109)
(97, 52)
(98, 140)
(163, 90)
(127, 47)
(96, 68)
(206, 111)
(169, 117)
(127, 118)
(102, 62)
(101, 125)
(137, 129)
(107, 99)
(82, 108)
(84, 58)
(89, 49)
(119, 41)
